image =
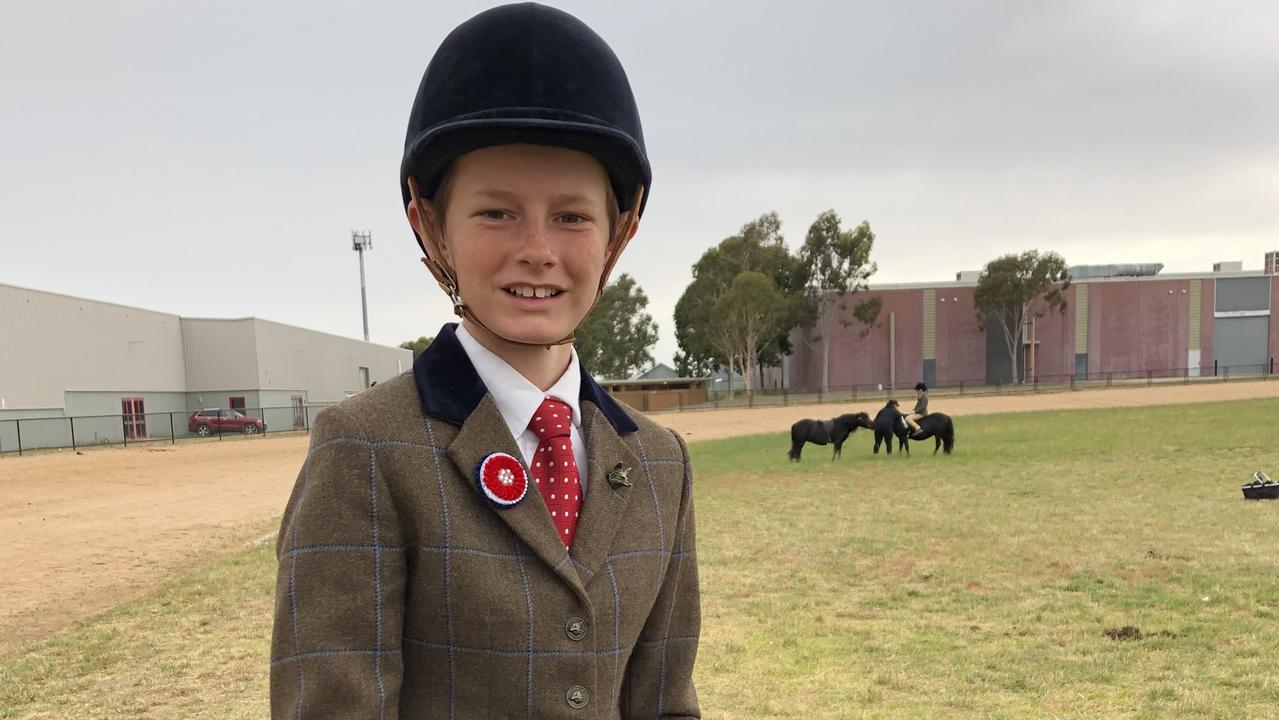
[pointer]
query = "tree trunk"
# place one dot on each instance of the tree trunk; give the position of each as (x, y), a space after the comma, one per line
(1012, 338)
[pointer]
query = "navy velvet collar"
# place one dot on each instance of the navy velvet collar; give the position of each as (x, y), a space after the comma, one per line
(449, 387)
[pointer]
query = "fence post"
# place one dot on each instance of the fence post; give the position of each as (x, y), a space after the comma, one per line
(750, 398)
(18, 424)
(961, 387)
(1214, 368)
(173, 435)
(306, 417)
(1150, 378)
(1072, 383)
(1109, 379)
(785, 396)
(124, 426)
(72, 419)
(819, 393)
(1036, 383)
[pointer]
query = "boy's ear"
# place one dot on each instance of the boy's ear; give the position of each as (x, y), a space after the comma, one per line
(427, 227)
(626, 229)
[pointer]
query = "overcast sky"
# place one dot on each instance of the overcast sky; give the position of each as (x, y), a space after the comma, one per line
(211, 158)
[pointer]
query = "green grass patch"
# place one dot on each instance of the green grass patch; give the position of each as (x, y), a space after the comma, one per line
(1084, 564)
(198, 649)
(984, 584)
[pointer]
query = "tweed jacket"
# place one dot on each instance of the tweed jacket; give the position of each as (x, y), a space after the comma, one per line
(402, 593)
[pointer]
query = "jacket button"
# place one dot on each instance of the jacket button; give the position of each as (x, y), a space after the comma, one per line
(575, 629)
(577, 697)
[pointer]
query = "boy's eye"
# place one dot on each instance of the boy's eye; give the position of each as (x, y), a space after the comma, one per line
(572, 219)
(493, 214)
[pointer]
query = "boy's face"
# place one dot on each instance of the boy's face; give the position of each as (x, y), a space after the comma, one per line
(526, 230)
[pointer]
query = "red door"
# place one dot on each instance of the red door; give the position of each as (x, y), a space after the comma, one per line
(135, 419)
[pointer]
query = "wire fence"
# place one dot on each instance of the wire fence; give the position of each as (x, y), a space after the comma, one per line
(18, 435)
(1039, 383)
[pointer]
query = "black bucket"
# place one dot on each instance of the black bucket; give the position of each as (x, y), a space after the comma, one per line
(1261, 488)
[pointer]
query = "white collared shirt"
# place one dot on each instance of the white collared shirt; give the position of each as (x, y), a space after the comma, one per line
(518, 399)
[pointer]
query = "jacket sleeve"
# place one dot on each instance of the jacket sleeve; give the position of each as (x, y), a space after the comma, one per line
(339, 596)
(659, 677)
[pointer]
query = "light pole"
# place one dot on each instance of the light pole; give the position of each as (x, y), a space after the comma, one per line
(361, 241)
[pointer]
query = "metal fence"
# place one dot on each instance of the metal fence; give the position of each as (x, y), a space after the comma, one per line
(1037, 383)
(18, 435)
(21, 434)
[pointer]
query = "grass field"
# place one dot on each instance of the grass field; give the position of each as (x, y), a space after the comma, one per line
(1051, 568)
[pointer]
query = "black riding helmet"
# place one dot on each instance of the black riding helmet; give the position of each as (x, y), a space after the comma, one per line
(525, 73)
(921, 386)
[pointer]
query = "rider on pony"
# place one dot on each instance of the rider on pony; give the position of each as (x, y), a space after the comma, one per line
(921, 407)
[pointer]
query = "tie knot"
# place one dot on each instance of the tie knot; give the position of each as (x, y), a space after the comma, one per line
(552, 419)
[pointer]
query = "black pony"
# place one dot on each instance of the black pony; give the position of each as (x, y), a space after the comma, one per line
(940, 427)
(821, 432)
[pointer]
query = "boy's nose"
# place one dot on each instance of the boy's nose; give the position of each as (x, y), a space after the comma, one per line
(535, 246)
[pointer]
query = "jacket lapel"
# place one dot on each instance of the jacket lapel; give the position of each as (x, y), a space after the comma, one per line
(484, 433)
(606, 501)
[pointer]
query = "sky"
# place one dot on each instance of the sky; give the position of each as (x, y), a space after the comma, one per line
(211, 159)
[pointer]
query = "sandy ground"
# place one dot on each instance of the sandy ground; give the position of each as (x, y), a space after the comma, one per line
(82, 532)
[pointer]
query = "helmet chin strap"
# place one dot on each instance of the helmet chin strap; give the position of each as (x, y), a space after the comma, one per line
(446, 278)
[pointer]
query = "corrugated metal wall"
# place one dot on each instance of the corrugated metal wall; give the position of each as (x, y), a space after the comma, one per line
(930, 324)
(1081, 319)
(1196, 312)
(55, 343)
(327, 365)
(220, 354)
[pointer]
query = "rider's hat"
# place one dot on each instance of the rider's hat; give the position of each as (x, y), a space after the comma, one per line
(525, 73)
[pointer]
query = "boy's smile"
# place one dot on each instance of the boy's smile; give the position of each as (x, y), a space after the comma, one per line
(527, 291)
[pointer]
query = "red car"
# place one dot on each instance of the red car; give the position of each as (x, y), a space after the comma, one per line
(216, 420)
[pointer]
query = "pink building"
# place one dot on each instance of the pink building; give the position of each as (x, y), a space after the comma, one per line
(1159, 325)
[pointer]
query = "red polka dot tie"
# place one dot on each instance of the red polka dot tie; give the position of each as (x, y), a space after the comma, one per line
(554, 469)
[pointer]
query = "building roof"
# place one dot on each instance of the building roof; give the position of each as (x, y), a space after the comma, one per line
(184, 317)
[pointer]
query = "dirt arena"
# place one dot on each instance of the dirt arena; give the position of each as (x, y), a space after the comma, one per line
(82, 532)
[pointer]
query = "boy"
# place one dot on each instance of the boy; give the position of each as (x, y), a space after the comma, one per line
(491, 535)
(921, 407)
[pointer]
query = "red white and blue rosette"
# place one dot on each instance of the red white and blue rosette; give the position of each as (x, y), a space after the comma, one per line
(502, 479)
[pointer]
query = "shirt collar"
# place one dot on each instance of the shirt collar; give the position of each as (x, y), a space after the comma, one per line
(518, 399)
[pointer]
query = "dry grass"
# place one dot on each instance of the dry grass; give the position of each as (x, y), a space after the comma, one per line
(1049, 569)
(198, 649)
